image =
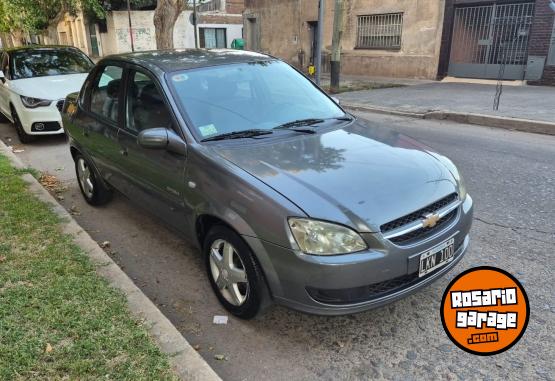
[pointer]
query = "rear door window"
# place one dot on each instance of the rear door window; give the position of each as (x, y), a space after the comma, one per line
(106, 93)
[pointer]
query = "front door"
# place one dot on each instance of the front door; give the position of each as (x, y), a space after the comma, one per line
(491, 41)
(155, 178)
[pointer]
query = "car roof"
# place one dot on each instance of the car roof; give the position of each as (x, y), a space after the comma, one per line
(166, 61)
(39, 47)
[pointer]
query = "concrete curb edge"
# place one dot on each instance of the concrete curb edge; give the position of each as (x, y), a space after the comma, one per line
(184, 359)
(515, 124)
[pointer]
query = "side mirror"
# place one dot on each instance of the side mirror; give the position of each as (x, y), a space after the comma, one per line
(336, 100)
(162, 138)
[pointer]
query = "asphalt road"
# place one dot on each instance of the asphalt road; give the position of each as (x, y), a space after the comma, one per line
(511, 176)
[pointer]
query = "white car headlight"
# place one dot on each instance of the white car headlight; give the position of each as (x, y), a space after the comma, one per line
(31, 102)
(324, 238)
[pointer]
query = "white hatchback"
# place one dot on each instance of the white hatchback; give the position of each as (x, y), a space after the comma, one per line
(34, 81)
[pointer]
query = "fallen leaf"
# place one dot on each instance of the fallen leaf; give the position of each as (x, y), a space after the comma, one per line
(2, 258)
(220, 357)
(48, 348)
(105, 244)
(196, 347)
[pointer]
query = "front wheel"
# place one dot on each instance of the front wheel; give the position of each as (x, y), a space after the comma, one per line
(23, 136)
(233, 272)
(94, 191)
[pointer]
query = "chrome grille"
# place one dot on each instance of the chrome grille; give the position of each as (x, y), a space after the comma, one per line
(412, 221)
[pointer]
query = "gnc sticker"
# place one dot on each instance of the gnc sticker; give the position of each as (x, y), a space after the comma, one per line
(485, 311)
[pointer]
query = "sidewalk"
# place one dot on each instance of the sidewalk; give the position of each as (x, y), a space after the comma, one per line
(528, 108)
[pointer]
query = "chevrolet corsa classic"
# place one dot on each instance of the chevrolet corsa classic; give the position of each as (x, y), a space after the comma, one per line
(291, 199)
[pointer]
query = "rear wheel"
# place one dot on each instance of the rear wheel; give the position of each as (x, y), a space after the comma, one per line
(94, 191)
(233, 272)
(23, 136)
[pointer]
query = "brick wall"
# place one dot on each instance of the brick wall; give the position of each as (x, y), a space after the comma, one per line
(235, 7)
(220, 19)
(540, 37)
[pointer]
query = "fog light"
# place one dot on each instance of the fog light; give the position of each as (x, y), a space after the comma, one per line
(39, 126)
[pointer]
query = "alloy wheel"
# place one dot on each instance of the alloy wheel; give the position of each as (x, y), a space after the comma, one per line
(228, 271)
(85, 178)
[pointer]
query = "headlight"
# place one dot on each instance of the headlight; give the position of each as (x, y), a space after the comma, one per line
(324, 238)
(30, 102)
(456, 174)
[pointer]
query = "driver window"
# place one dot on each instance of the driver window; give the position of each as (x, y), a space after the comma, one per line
(145, 105)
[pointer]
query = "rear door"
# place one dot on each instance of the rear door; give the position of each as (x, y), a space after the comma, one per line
(156, 178)
(100, 121)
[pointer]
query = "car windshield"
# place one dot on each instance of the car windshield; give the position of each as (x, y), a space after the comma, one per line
(41, 63)
(239, 97)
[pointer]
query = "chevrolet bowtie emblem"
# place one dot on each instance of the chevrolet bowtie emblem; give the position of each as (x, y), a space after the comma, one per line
(430, 220)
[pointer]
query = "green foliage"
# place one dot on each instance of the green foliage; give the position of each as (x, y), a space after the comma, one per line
(35, 15)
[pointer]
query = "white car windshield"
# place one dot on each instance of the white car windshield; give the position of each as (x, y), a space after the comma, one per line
(258, 95)
(42, 63)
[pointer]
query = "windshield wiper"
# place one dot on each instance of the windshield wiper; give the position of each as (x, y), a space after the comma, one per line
(238, 135)
(299, 123)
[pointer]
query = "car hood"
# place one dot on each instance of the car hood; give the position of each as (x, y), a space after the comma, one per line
(361, 176)
(52, 87)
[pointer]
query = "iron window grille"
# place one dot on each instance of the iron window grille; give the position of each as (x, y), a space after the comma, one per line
(382, 31)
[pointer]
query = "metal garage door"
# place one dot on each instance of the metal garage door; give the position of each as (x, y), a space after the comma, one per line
(489, 40)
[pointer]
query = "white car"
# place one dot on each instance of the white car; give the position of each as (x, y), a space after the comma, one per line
(34, 81)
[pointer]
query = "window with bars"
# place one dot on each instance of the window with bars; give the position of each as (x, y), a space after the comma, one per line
(383, 31)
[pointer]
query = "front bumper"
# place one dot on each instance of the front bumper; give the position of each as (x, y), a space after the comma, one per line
(292, 275)
(49, 117)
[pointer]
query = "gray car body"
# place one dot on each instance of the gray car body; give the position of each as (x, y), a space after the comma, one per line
(354, 174)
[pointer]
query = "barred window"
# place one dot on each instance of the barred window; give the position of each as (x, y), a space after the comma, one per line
(382, 31)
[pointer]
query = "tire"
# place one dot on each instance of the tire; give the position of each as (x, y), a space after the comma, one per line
(242, 299)
(92, 188)
(23, 136)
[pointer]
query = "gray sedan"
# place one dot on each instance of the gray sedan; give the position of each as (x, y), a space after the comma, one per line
(291, 199)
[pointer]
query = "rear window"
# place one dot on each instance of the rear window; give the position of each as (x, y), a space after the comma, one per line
(42, 63)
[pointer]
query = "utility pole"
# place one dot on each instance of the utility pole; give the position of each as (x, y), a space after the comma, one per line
(195, 22)
(320, 41)
(338, 22)
(130, 26)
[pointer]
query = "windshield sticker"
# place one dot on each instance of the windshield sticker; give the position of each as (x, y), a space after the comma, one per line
(180, 77)
(208, 130)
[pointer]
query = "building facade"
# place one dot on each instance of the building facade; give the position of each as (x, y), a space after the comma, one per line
(485, 39)
(397, 38)
(511, 39)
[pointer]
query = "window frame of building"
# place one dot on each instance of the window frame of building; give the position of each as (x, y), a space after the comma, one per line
(375, 28)
(202, 37)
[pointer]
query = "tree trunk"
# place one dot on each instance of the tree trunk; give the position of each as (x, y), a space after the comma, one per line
(165, 16)
(338, 23)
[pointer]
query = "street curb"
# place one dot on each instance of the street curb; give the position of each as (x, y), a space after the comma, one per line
(513, 124)
(184, 359)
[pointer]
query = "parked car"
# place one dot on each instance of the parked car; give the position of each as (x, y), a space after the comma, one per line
(34, 81)
(290, 198)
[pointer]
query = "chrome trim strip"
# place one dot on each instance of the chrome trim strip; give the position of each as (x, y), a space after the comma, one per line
(402, 230)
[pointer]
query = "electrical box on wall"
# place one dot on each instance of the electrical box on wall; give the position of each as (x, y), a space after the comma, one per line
(534, 68)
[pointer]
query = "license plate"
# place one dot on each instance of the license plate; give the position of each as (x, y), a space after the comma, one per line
(437, 257)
